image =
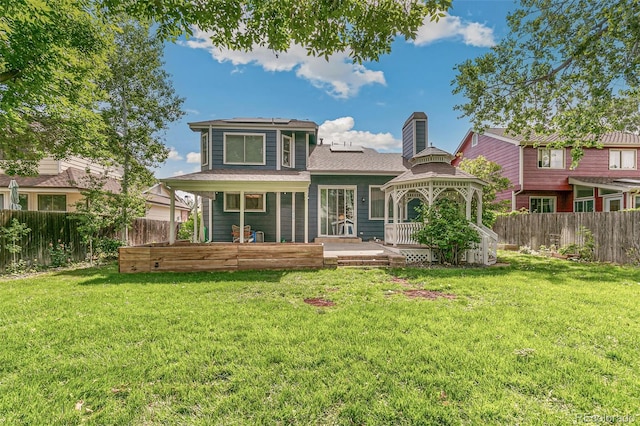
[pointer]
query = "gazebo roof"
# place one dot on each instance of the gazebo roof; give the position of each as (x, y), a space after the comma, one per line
(432, 164)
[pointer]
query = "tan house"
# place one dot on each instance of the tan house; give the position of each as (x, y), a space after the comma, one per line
(59, 184)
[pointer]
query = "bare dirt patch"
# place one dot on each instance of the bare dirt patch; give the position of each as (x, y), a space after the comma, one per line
(401, 281)
(428, 294)
(318, 301)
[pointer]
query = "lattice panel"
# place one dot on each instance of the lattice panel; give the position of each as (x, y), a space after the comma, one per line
(418, 255)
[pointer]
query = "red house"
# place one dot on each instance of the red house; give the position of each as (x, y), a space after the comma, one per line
(607, 178)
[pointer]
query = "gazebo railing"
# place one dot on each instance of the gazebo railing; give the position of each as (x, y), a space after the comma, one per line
(487, 252)
(404, 232)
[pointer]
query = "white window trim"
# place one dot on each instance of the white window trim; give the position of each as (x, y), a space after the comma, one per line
(474, 139)
(633, 201)
(292, 152)
(550, 166)
(576, 200)
(264, 203)
(606, 201)
(370, 217)
(204, 141)
(355, 204)
(555, 201)
(620, 151)
(224, 148)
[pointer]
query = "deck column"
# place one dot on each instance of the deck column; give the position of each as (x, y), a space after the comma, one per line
(278, 204)
(195, 219)
(306, 213)
(241, 217)
(172, 218)
(293, 217)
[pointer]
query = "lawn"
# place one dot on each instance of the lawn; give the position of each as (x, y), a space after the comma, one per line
(538, 341)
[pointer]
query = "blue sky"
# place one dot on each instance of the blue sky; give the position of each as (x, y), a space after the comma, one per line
(359, 104)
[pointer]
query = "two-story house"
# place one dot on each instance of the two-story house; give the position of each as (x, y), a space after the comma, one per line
(277, 177)
(606, 179)
(59, 184)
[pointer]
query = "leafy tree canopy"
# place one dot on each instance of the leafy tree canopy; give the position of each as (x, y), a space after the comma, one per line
(566, 67)
(491, 173)
(363, 28)
(53, 53)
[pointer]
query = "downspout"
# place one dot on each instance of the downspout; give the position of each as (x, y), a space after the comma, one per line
(514, 194)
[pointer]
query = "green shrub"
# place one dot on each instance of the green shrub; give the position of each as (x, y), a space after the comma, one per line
(107, 248)
(446, 230)
(60, 254)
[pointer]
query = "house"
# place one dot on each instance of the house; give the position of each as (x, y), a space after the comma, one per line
(276, 177)
(606, 179)
(59, 184)
(158, 203)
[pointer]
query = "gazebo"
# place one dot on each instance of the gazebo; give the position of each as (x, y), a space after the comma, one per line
(431, 177)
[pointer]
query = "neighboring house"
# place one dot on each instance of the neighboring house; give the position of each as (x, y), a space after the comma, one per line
(277, 177)
(59, 184)
(159, 204)
(606, 179)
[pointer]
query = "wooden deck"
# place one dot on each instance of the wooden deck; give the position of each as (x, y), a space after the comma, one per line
(187, 257)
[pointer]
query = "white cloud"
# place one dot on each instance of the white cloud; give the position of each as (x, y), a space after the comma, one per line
(174, 155)
(338, 76)
(178, 173)
(448, 27)
(192, 111)
(193, 157)
(341, 130)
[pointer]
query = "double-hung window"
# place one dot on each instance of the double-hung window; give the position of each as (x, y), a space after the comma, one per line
(550, 158)
(542, 204)
(583, 199)
(287, 151)
(244, 148)
(622, 159)
(204, 149)
(376, 203)
(474, 139)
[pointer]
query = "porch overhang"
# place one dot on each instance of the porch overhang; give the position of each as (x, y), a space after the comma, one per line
(208, 182)
(622, 184)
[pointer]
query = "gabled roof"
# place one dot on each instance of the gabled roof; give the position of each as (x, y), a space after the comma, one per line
(255, 122)
(71, 178)
(324, 160)
(158, 194)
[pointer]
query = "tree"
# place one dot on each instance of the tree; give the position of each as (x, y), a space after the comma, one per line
(491, 173)
(446, 230)
(364, 29)
(141, 103)
(12, 236)
(569, 68)
(51, 55)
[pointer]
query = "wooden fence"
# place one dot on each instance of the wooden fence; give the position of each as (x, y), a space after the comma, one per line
(616, 234)
(51, 227)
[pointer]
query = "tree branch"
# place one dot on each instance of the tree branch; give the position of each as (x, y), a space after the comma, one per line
(9, 75)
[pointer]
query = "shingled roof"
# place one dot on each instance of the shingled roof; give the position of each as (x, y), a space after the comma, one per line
(611, 138)
(263, 122)
(323, 159)
(71, 178)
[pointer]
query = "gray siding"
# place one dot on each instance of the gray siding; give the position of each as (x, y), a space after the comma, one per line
(365, 228)
(407, 141)
(259, 221)
(421, 136)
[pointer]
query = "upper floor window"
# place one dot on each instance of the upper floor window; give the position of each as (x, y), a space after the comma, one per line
(204, 149)
(622, 159)
(550, 158)
(52, 203)
(244, 149)
(474, 139)
(542, 204)
(287, 151)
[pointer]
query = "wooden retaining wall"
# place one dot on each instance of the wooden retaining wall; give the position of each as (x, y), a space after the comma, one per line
(187, 257)
(616, 234)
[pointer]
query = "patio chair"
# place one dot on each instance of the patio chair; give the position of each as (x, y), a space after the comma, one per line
(249, 235)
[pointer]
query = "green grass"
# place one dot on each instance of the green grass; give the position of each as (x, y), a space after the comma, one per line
(539, 341)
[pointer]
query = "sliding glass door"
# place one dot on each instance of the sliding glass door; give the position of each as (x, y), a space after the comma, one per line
(337, 211)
